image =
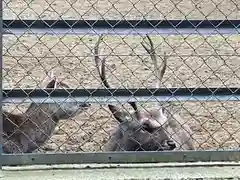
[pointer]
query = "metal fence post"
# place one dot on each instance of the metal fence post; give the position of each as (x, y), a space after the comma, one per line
(1, 126)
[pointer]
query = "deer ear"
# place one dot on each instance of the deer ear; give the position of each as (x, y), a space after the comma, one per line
(52, 84)
(162, 111)
(50, 81)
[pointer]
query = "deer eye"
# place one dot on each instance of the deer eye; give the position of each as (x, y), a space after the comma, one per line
(146, 127)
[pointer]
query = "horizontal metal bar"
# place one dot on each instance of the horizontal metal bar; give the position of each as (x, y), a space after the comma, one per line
(120, 157)
(132, 32)
(66, 24)
(120, 95)
(119, 92)
(121, 27)
(120, 99)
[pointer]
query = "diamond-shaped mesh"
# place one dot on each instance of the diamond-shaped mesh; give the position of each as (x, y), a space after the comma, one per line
(193, 61)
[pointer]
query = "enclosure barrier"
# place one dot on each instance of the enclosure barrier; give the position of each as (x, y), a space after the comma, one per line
(20, 28)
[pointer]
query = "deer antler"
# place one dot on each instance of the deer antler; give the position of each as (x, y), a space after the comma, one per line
(96, 56)
(117, 114)
(158, 73)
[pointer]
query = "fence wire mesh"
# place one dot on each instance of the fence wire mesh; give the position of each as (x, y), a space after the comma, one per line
(33, 61)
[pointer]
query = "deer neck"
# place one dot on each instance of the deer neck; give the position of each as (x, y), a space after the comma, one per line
(42, 113)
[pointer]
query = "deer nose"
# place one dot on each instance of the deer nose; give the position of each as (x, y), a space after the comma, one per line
(147, 127)
(85, 105)
(171, 144)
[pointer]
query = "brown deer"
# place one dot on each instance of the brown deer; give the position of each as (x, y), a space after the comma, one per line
(138, 131)
(24, 133)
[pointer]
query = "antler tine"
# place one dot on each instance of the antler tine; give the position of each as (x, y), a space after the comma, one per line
(164, 65)
(158, 73)
(96, 56)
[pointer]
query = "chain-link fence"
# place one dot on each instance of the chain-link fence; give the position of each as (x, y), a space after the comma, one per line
(38, 56)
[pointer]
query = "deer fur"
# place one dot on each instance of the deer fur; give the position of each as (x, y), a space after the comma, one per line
(179, 131)
(24, 133)
(137, 131)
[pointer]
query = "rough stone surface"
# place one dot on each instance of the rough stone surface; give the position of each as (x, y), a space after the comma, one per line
(124, 172)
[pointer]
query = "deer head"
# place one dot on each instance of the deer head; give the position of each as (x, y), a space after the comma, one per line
(59, 110)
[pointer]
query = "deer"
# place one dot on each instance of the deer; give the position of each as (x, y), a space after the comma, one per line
(180, 131)
(24, 133)
(137, 131)
(167, 127)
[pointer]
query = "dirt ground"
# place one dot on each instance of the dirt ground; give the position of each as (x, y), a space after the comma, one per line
(117, 9)
(193, 61)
